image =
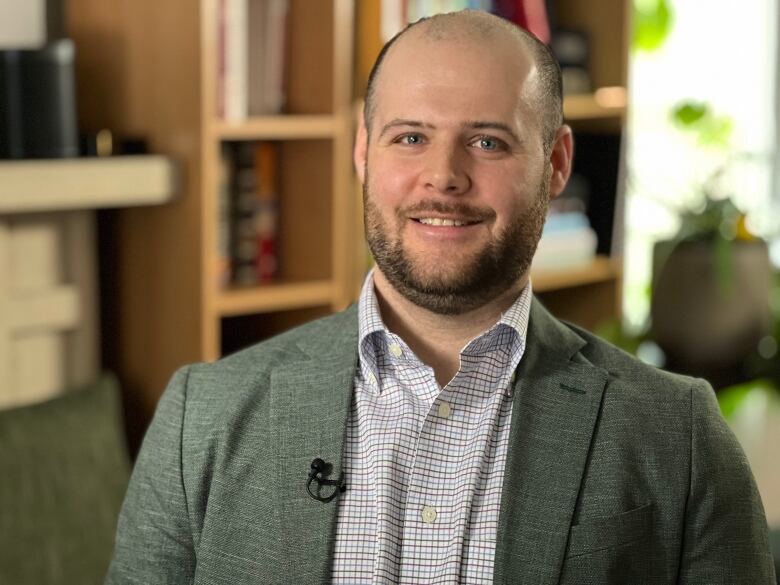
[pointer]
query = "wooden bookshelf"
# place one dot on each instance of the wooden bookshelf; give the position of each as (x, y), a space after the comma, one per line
(281, 128)
(601, 269)
(149, 68)
(587, 295)
(274, 297)
(590, 107)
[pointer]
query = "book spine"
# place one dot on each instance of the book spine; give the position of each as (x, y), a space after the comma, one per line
(528, 14)
(236, 60)
(275, 56)
(243, 188)
(258, 17)
(536, 17)
(224, 264)
(266, 211)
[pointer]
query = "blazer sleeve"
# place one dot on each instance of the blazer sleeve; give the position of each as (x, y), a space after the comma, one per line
(154, 541)
(725, 538)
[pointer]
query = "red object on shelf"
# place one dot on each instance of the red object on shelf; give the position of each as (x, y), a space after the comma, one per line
(529, 14)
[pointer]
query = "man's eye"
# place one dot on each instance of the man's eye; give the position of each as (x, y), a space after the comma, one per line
(488, 143)
(410, 139)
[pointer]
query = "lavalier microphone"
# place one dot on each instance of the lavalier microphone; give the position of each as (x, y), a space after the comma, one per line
(319, 470)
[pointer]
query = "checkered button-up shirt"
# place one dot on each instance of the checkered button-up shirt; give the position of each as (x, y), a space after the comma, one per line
(424, 465)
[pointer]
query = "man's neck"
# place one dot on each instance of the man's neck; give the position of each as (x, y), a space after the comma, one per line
(438, 339)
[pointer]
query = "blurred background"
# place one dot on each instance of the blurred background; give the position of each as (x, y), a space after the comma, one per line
(176, 183)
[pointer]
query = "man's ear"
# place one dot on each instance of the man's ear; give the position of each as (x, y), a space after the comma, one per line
(561, 157)
(361, 149)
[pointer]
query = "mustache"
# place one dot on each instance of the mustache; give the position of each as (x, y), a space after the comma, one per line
(455, 208)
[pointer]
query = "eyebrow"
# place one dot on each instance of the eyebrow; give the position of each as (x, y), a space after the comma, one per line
(472, 124)
(480, 125)
(401, 122)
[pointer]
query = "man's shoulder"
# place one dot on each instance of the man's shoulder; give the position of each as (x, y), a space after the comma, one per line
(291, 345)
(251, 368)
(634, 377)
(626, 374)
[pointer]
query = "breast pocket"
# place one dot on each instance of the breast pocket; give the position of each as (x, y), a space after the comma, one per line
(610, 532)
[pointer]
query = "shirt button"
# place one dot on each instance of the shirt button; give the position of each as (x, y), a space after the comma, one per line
(428, 515)
(372, 379)
(445, 410)
(396, 350)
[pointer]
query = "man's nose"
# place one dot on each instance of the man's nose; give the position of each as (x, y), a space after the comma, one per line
(446, 170)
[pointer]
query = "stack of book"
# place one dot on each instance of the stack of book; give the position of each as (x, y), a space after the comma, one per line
(567, 242)
(252, 38)
(248, 214)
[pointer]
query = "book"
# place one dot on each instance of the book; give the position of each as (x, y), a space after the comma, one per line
(242, 230)
(224, 223)
(266, 211)
(276, 55)
(254, 218)
(267, 24)
(233, 65)
(257, 18)
(528, 14)
(567, 242)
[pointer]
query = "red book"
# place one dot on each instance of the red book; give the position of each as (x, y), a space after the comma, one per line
(532, 16)
(266, 211)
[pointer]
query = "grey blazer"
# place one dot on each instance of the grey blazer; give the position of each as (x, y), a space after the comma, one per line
(617, 472)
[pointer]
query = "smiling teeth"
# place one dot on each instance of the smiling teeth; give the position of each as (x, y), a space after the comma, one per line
(444, 222)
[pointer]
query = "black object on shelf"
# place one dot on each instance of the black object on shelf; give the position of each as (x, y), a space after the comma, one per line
(594, 181)
(38, 102)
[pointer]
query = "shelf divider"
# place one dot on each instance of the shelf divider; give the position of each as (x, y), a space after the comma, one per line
(266, 298)
(287, 127)
(602, 269)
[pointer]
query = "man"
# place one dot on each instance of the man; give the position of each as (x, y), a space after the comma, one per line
(447, 429)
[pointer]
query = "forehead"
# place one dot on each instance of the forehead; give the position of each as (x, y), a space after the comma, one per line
(471, 77)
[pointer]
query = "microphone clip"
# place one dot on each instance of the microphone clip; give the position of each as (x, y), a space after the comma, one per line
(319, 471)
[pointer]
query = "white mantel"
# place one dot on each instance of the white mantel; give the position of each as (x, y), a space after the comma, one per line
(48, 280)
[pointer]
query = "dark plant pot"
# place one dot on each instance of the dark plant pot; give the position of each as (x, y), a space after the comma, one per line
(699, 322)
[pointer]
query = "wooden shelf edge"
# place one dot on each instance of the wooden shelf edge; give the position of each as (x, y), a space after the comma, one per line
(604, 103)
(283, 127)
(602, 269)
(273, 297)
(86, 183)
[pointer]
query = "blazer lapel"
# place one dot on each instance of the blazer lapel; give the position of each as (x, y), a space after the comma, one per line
(310, 402)
(556, 404)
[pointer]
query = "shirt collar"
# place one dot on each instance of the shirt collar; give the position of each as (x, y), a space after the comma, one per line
(370, 325)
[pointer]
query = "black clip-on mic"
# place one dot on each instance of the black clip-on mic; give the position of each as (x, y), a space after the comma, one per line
(319, 467)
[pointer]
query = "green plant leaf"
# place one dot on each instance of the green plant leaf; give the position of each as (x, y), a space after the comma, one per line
(716, 131)
(698, 119)
(653, 20)
(689, 113)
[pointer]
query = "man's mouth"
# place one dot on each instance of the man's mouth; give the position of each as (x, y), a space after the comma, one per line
(438, 221)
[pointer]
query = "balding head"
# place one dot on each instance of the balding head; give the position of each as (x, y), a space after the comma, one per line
(545, 95)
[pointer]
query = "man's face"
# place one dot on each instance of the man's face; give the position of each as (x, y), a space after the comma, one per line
(456, 183)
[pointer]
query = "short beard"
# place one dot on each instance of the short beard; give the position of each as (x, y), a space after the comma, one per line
(490, 273)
